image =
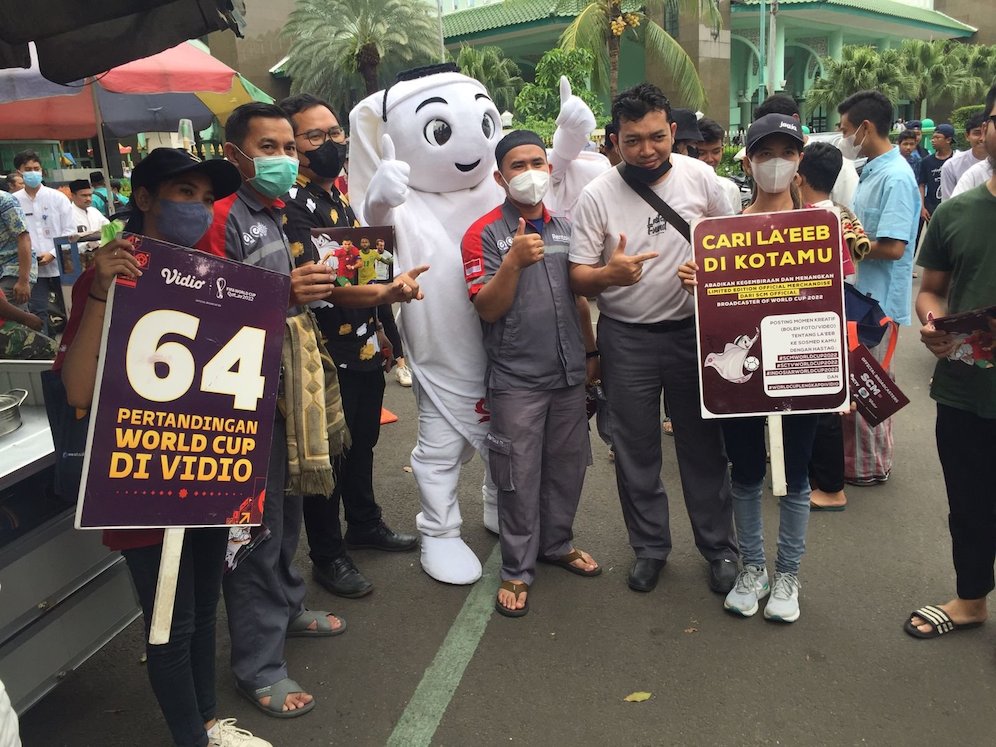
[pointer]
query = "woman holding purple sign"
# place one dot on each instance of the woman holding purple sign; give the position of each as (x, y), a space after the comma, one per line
(173, 194)
(774, 151)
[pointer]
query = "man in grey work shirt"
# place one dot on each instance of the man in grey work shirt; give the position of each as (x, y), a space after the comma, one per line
(646, 335)
(515, 264)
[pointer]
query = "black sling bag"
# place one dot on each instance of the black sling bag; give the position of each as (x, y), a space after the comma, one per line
(651, 198)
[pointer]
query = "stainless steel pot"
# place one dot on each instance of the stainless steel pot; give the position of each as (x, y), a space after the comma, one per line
(10, 410)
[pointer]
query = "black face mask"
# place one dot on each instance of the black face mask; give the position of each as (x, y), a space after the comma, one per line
(647, 176)
(326, 160)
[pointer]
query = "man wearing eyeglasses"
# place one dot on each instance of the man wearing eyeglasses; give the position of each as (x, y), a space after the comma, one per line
(360, 334)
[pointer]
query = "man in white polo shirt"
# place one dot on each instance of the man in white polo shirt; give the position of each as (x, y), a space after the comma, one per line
(646, 334)
(49, 215)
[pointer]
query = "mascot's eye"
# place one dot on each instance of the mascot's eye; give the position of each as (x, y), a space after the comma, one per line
(488, 126)
(437, 132)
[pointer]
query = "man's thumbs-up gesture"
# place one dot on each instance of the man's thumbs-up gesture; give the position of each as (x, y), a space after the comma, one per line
(527, 248)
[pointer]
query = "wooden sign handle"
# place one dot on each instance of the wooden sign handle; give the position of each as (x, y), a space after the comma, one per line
(169, 571)
(777, 451)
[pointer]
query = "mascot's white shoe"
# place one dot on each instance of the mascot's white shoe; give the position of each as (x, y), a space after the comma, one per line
(448, 559)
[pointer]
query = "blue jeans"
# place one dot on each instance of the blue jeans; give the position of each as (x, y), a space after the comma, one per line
(745, 447)
(182, 671)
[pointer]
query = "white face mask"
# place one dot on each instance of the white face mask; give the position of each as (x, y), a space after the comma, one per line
(529, 187)
(774, 175)
(848, 148)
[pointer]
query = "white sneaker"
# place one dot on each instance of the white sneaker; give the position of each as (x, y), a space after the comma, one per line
(784, 603)
(226, 734)
(404, 375)
(750, 586)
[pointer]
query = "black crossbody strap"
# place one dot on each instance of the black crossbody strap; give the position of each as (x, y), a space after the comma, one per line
(654, 200)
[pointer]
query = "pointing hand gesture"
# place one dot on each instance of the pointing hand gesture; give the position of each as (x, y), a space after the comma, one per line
(625, 269)
(527, 248)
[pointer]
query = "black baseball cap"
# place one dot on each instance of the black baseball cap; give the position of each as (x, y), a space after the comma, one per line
(773, 124)
(688, 125)
(165, 163)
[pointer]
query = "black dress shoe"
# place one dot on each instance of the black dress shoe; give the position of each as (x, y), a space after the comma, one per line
(722, 575)
(382, 537)
(341, 578)
(644, 573)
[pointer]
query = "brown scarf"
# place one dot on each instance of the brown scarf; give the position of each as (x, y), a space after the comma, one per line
(311, 403)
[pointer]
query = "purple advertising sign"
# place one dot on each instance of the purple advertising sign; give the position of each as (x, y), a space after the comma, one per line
(770, 314)
(183, 408)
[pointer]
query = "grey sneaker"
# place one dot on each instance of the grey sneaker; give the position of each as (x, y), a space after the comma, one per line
(751, 585)
(784, 603)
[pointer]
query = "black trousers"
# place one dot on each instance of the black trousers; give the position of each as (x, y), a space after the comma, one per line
(826, 465)
(182, 671)
(362, 399)
(965, 444)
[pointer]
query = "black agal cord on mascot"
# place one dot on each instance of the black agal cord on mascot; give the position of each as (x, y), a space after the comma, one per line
(418, 72)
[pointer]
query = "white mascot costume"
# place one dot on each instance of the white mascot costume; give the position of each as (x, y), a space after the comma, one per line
(422, 159)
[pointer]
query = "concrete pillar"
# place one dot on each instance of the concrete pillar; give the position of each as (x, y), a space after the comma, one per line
(835, 44)
(779, 57)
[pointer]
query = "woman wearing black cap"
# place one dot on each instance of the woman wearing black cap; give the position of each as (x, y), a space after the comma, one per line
(774, 151)
(173, 194)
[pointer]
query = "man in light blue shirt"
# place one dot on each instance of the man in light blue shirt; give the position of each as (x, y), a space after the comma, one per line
(887, 203)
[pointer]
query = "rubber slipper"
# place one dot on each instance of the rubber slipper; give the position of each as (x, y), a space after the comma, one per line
(565, 561)
(299, 626)
(817, 507)
(278, 693)
(938, 620)
(516, 588)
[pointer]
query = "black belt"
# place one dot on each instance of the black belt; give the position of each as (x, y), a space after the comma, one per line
(668, 325)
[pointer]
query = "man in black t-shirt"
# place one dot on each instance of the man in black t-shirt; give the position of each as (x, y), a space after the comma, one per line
(929, 177)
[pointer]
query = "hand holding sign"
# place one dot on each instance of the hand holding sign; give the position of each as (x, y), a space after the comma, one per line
(112, 259)
(312, 282)
(686, 274)
(625, 269)
(527, 248)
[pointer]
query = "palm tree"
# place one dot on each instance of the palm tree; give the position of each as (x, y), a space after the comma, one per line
(339, 43)
(935, 72)
(499, 74)
(859, 69)
(601, 25)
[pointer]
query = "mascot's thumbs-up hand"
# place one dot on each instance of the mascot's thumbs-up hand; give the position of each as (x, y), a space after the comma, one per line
(389, 185)
(574, 123)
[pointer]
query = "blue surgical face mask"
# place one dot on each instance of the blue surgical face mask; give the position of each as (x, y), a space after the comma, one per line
(32, 179)
(274, 174)
(183, 223)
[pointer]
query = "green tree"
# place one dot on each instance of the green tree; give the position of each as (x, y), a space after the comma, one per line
(499, 74)
(540, 100)
(601, 25)
(934, 71)
(338, 44)
(860, 68)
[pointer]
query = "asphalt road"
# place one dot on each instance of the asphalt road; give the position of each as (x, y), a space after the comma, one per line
(426, 663)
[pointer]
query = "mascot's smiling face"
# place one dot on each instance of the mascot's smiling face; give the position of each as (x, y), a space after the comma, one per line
(447, 134)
